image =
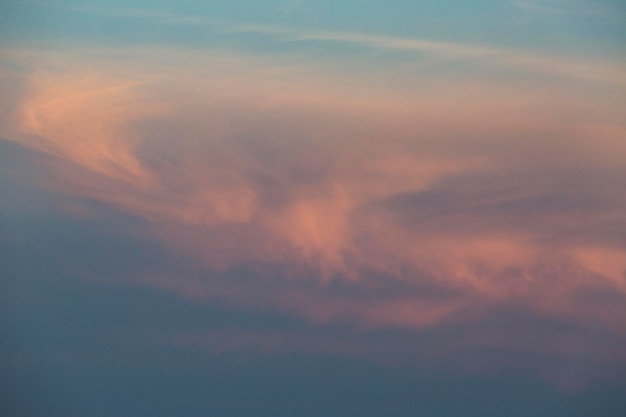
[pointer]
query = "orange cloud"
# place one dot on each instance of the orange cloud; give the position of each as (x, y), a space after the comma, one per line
(473, 192)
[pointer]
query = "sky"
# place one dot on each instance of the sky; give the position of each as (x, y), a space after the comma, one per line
(312, 208)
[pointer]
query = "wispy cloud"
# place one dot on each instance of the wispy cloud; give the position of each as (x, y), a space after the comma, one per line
(510, 59)
(145, 14)
(564, 8)
(342, 199)
(504, 58)
(482, 200)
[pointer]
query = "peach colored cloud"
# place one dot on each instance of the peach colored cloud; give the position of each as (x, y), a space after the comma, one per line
(427, 202)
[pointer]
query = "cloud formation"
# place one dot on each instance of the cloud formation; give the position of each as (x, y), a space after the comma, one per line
(510, 59)
(412, 204)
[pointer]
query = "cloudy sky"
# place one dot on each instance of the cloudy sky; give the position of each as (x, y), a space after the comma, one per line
(312, 208)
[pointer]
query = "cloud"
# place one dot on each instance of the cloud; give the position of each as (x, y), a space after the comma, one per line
(563, 8)
(511, 60)
(324, 196)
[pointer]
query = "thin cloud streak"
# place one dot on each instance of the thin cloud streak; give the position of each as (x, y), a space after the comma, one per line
(509, 59)
(564, 9)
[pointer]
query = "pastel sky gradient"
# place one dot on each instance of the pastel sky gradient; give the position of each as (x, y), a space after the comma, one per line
(294, 208)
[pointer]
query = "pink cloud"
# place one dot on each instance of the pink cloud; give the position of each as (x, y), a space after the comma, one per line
(430, 208)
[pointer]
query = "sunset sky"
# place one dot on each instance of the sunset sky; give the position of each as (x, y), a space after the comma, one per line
(312, 208)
